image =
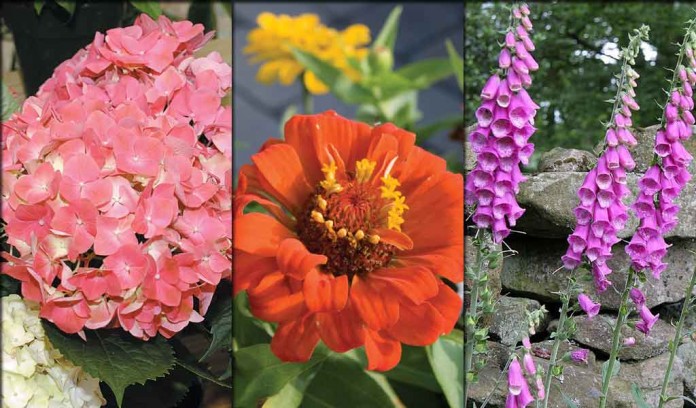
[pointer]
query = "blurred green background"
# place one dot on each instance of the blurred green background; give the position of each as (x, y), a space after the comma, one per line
(577, 46)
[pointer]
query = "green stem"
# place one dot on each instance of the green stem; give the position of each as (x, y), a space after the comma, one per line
(471, 314)
(307, 103)
(615, 342)
(675, 74)
(677, 339)
(556, 345)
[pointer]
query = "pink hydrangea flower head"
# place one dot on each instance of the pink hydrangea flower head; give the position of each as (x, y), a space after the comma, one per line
(116, 182)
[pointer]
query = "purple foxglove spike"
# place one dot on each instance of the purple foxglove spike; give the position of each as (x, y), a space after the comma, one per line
(670, 167)
(504, 59)
(541, 390)
(629, 341)
(469, 191)
(688, 90)
(515, 213)
(516, 12)
(595, 248)
(527, 100)
(689, 52)
(632, 82)
(617, 215)
(625, 158)
(525, 153)
(668, 207)
(636, 248)
(578, 239)
(491, 88)
(528, 363)
(521, 32)
(637, 296)
(671, 112)
(629, 101)
(526, 80)
(619, 175)
(631, 92)
(604, 178)
(505, 146)
(662, 146)
(517, 176)
(647, 320)
(484, 114)
(531, 63)
(620, 120)
(500, 126)
(600, 219)
(479, 139)
(526, 343)
(527, 23)
(485, 195)
(528, 44)
(686, 102)
(514, 81)
(525, 398)
(626, 111)
(675, 98)
(520, 113)
(588, 306)
(685, 131)
(504, 94)
(502, 206)
(587, 192)
(644, 205)
(508, 163)
(612, 158)
(688, 118)
(649, 227)
(692, 77)
(511, 401)
(510, 39)
(626, 137)
(610, 238)
(657, 247)
(611, 138)
(520, 51)
(672, 130)
(520, 67)
(571, 259)
(670, 188)
(682, 74)
(521, 136)
(580, 355)
(657, 269)
(682, 176)
(500, 230)
(605, 198)
(483, 217)
(621, 191)
(481, 178)
(524, 8)
(503, 183)
(583, 215)
(650, 182)
(488, 159)
(600, 271)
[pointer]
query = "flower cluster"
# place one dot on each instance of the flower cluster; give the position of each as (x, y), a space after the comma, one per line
(360, 226)
(601, 212)
(519, 395)
(505, 124)
(663, 181)
(117, 180)
(33, 372)
(272, 43)
(647, 319)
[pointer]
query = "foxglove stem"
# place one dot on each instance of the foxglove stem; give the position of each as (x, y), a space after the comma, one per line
(615, 342)
(675, 76)
(556, 345)
(674, 344)
(471, 317)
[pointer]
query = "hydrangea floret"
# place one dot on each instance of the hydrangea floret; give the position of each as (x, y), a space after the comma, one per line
(116, 183)
(34, 373)
(505, 124)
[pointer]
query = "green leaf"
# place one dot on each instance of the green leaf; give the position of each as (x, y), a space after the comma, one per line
(413, 396)
(201, 372)
(457, 63)
(387, 36)
(248, 330)
(39, 5)
(69, 6)
(414, 368)
(387, 85)
(9, 103)
(228, 7)
(339, 84)
(638, 397)
(614, 370)
(342, 382)
(290, 396)
(446, 357)
(151, 8)
(569, 402)
(115, 357)
(259, 374)
(220, 318)
(426, 72)
(163, 392)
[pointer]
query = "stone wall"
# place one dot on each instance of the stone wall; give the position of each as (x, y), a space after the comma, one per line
(532, 278)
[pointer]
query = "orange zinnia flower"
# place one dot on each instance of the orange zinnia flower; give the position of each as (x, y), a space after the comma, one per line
(361, 225)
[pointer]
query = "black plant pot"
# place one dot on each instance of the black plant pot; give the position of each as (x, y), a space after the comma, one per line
(44, 41)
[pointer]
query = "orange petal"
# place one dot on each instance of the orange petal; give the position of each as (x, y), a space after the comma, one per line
(447, 261)
(325, 293)
(415, 283)
(449, 305)
(405, 140)
(377, 307)
(259, 234)
(281, 174)
(295, 340)
(341, 331)
(393, 237)
(417, 167)
(295, 260)
(418, 325)
(249, 269)
(383, 352)
(274, 301)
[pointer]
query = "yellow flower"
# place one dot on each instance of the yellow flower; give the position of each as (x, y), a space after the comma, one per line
(271, 43)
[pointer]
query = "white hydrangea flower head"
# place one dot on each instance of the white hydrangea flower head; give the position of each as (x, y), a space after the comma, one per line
(34, 374)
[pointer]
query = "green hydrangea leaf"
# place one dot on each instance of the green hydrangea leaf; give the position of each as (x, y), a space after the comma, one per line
(9, 103)
(151, 8)
(115, 357)
(220, 318)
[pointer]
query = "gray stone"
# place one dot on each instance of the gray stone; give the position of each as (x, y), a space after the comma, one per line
(550, 198)
(537, 272)
(670, 313)
(469, 155)
(687, 354)
(648, 375)
(510, 319)
(559, 159)
(596, 333)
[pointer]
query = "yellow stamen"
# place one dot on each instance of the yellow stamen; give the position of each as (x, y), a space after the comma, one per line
(364, 169)
(342, 233)
(398, 205)
(359, 235)
(321, 203)
(317, 216)
(329, 183)
(374, 239)
(329, 224)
